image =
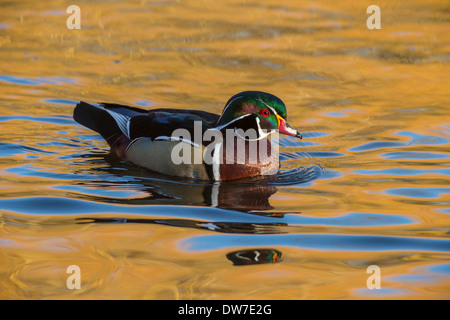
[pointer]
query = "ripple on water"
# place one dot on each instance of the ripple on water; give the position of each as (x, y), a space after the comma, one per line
(424, 193)
(403, 172)
(14, 149)
(37, 81)
(61, 101)
(383, 292)
(414, 155)
(52, 119)
(108, 203)
(417, 138)
(335, 242)
(377, 145)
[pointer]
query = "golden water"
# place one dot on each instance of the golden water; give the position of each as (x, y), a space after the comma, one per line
(368, 184)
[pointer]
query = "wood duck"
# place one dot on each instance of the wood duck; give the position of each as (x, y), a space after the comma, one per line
(192, 143)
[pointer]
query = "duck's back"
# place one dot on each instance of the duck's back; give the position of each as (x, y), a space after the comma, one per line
(163, 122)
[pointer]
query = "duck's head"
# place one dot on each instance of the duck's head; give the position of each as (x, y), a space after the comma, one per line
(265, 110)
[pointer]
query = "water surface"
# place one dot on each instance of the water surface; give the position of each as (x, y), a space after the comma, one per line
(367, 185)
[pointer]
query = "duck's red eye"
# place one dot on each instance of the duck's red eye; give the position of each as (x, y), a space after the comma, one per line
(265, 113)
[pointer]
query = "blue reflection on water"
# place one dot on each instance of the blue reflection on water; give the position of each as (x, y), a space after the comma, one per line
(338, 242)
(417, 138)
(382, 292)
(64, 206)
(13, 149)
(335, 114)
(440, 268)
(351, 219)
(378, 145)
(323, 154)
(61, 101)
(415, 155)
(38, 81)
(414, 278)
(426, 274)
(403, 172)
(56, 119)
(426, 193)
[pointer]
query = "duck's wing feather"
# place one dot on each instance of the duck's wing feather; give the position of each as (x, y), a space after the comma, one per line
(114, 120)
(98, 119)
(163, 122)
(123, 109)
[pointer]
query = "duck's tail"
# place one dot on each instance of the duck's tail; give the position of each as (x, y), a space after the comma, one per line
(110, 121)
(98, 119)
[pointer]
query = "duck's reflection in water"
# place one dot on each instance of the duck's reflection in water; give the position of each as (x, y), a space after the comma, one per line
(250, 197)
(236, 198)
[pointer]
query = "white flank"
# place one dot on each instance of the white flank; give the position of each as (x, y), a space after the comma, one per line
(132, 142)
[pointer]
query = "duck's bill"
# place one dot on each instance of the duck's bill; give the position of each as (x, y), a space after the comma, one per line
(285, 128)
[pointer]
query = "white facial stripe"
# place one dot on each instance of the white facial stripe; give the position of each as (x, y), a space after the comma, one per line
(271, 108)
(228, 106)
(226, 124)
